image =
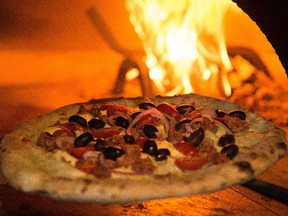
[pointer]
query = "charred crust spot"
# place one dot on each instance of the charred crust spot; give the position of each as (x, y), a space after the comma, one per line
(25, 140)
(272, 150)
(253, 155)
(281, 145)
(245, 166)
(86, 184)
(2, 150)
(87, 181)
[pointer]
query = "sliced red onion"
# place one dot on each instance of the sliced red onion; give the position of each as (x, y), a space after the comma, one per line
(66, 128)
(91, 155)
(101, 164)
(153, 112)
(64, 142)
(111, 119)
(220, 124)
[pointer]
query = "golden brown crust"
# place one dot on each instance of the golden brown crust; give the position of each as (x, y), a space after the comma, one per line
(30, 168)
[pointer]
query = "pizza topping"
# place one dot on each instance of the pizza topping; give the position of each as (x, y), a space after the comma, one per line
(106, 132)
(122, 121)
(150, 147)
(220, 113)
(169, 110)
(182, 123)
(238, 114)
(147, 105)
(186, 148)
(196, 137)
(226, 139)
(162, 137)
(69, 127)
(150, 131)
(129, 139)
(96, 123)
(78, 152)
(100, 144)
(86, 166)
(230, 150)
(47, 141)
(184, 109)
(83, 139)
(79, 120)
(162, 154)
(235, 124)
(113, 109)
(151, 115)
(113, 153)
(190, 163)
(64, 141)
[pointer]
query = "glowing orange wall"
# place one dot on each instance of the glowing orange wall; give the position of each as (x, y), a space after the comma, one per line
(55, 39)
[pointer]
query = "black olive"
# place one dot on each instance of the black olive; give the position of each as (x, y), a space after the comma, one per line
(238, 113)
(162, 154)
(100, 144)
(184, 108)
(230, 150)
(196, 137)
(96, 123)
(150, 147)
(220, 113)
(226, 139)
(129, 139)
(122, 121)
(113, 153)
(150, 131)
(147, 105)
(83, 139)
(180, 124)
(78, 119)
(134, 115)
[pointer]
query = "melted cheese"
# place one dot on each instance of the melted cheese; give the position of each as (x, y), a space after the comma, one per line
(51, 129)
(173, 151)
(64, 156)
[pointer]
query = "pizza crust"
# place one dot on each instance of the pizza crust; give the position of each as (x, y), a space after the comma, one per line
(30, 168)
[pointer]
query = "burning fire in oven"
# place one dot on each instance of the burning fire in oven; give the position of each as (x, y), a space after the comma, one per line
(185, 51)
(184, 44)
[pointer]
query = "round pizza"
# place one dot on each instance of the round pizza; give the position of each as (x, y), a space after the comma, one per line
(131, 149)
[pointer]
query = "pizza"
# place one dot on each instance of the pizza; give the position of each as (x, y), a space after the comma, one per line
(119, 150)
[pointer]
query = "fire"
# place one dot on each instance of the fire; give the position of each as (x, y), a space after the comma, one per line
(184, 44)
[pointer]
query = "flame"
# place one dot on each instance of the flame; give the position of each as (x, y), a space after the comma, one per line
(184, 44)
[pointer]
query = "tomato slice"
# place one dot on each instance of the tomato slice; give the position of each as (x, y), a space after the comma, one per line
(220, 120)
(169, 110)
(79, 151)
(186, 148)
(86, 166)
(190, 163)
(141, 141)
(106, 132)
(147, 119)
(72, 126)
(113, 109)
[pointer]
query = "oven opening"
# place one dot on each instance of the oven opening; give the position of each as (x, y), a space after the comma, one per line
(206, 47)
(191, 48)
(120, 48)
